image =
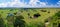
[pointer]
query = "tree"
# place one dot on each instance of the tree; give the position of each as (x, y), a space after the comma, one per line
(1, 22)
(19, 22)
(57, 14)
(10, 20)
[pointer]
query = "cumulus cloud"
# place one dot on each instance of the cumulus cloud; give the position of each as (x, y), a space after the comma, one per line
(3, 4)
(15, 3)
(58, 3)
(32, 3)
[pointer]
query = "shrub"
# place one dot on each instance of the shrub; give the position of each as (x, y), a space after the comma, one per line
(36, 15)
(57, 14)
(10, 20)
(43, 10)
(40, 24)
(19, 22)
(1, 23)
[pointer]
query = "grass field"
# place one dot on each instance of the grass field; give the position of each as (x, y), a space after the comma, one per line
(31, 22)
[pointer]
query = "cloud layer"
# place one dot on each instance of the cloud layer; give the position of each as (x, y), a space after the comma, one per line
(31, 3)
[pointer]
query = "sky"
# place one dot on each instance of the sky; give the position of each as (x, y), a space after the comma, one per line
(29, 3)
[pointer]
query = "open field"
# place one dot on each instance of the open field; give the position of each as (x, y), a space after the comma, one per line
(30, 20)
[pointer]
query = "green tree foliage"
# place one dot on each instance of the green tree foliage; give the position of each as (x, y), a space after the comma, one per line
(57, 14)
(19, 22)
(40, 24)
(1, 23)
(55, 18)
(10, 20)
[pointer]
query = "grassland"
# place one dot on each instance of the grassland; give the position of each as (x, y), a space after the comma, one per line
(31, 22)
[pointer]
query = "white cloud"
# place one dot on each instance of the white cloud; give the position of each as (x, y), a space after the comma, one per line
(15, 3)
(58, 3)
(32, 3)
(42, 3)
(3, 5)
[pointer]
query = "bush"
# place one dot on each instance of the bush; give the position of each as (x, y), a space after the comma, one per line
(19, 22)
(57, 14)
(48, 12)
(1, 23)
(10, 20)
(36, 15)
(43, 10)
(40, 25)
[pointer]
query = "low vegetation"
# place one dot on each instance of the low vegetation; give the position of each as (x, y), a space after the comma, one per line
(27, 17)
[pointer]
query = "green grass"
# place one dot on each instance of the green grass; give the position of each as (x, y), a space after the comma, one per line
(33, 21)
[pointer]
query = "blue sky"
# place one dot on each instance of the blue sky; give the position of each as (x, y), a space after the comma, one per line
(29, 3)
(50, 1)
